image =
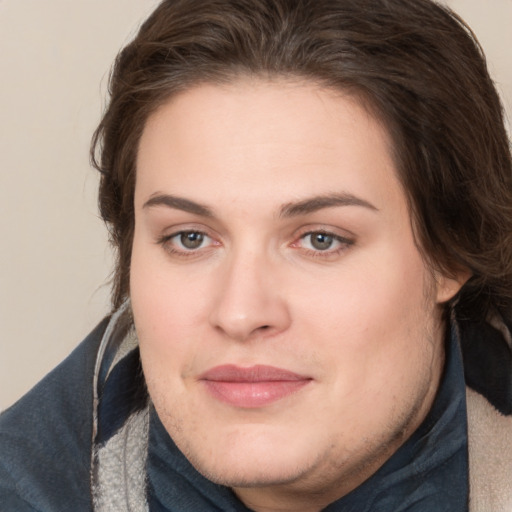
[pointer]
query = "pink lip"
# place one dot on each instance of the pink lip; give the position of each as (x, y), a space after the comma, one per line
(251, 387)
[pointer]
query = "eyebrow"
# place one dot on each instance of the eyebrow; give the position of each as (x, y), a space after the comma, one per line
(313, 204)
(292, 209)
(178, 203)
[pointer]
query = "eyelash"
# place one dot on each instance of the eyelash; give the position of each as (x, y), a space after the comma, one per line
(344, 244)
(166, 242)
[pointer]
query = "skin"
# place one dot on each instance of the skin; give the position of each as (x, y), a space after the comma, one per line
(361, 319)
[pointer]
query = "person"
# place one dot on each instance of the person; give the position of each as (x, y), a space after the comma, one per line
(311, 203)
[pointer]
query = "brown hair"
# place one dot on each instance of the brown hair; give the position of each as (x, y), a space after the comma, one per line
(414, 61)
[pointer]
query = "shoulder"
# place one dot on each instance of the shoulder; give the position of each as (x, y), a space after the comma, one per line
(487, 355)
(45, 438)
(490, 455)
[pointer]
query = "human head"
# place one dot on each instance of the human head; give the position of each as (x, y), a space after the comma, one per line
(415, 65)
(289, 331)
(393, 72)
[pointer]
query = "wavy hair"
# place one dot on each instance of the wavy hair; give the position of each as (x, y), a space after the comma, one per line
(415, 63)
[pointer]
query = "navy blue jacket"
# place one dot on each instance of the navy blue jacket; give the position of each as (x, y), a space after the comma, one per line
(55, 439)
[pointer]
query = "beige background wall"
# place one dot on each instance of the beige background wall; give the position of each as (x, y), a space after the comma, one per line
(54, 260)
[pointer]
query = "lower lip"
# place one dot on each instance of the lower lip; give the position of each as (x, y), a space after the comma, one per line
(251, 395)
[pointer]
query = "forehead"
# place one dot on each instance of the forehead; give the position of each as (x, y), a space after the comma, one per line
(265, 141)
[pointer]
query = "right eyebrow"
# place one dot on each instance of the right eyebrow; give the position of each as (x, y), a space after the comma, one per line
(178, 203)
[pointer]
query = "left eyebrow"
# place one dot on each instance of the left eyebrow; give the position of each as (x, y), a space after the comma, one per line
(313, 204)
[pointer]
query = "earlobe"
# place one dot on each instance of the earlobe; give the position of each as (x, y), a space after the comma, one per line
(449, 286)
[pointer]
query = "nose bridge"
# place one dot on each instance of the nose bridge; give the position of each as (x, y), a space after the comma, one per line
(249, 299)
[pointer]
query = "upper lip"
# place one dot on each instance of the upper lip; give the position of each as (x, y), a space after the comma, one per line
(256, 373)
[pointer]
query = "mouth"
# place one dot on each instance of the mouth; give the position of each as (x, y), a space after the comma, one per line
(251, 387)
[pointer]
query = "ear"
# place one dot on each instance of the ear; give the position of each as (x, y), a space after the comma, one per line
(448, 286)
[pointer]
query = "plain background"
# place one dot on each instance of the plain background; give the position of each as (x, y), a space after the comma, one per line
(54, 259)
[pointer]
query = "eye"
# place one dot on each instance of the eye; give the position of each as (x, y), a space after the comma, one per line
(322, 243)
(186, 242)
(190, 239)
(319, 241)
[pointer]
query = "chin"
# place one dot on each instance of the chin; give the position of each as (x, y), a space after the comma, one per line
(251, 472)
(254, 457)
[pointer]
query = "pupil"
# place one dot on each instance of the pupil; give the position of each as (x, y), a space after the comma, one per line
(321, 241)
(191, 240)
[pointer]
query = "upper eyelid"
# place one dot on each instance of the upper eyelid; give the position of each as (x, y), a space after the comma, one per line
(174, 234)
(328, 233)
(172, 231)
(341, 239)
(325, 232)
(328, 230)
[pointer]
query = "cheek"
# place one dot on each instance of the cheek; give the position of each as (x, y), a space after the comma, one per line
(371, 299)
(374, 325)
(161, 308)
(162, 298)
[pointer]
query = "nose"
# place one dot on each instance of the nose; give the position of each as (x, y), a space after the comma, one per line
(251, 300)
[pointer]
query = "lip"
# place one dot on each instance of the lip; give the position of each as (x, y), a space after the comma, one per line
(251, 387)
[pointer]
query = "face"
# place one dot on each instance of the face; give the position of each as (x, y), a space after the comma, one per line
(289, 330)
